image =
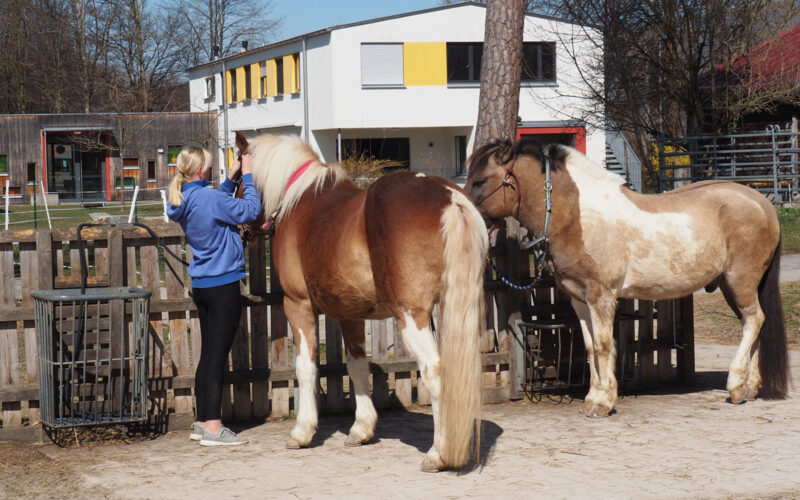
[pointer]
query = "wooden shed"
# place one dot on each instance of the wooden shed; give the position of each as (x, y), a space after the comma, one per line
(95, 156)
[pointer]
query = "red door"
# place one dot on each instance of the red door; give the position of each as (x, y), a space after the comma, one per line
(569, 136)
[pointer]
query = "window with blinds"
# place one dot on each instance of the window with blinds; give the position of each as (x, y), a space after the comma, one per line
(382, 64)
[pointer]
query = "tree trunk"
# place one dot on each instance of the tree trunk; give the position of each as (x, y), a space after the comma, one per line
(501, 69)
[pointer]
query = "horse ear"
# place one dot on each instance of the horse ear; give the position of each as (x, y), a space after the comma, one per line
(241, 142)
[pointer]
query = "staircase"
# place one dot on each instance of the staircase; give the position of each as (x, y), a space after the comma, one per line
(621, 159)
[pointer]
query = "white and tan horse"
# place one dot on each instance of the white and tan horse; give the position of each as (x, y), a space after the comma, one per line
(606, 241)
(393, 250)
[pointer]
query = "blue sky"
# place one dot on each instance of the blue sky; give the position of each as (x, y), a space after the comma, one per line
(303, 16)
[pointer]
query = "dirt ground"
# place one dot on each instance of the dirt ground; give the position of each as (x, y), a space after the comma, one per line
(673, 443)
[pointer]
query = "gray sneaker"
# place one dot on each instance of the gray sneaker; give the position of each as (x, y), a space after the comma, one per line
(197, 432)
(226, 437)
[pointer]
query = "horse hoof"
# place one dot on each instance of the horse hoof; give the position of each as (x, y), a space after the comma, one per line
(739, 395)
(599, 412)
(429, 465)
(355, 441)
(293, 444)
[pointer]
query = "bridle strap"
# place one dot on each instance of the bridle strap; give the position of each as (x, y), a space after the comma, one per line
(506, 181)
(548, 189)
(297, 173)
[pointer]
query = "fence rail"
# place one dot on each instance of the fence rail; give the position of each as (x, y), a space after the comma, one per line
(260, 374)
(768, 161)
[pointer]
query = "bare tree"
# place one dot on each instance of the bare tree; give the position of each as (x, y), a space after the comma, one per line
(661, 64)
(223, 24)
(501, 71)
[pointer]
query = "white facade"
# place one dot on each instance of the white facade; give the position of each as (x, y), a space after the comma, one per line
(332, 103)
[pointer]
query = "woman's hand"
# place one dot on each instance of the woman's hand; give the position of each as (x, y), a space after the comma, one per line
(247, 164)
(234, 170)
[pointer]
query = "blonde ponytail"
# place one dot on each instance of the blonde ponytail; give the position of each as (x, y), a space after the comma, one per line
(190, 161)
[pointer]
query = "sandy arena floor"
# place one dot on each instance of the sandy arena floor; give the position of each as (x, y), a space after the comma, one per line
(659, 445)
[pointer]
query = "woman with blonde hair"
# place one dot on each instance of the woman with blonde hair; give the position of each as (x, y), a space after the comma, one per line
(209, 218)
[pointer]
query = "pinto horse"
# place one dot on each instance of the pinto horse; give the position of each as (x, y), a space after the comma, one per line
(393, 250)
(604, 241)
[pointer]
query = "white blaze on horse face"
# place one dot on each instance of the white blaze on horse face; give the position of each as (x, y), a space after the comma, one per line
(420, 174)
(662, 253)
(306, 377)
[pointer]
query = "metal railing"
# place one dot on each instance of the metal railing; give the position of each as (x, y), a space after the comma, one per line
(623, 153)
(768, 161)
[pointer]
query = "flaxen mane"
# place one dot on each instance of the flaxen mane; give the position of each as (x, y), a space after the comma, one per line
(275, 160)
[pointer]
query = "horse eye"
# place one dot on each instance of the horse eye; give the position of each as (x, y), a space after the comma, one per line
(479, 183)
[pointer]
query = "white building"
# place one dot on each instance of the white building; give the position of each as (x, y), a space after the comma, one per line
(404, 87)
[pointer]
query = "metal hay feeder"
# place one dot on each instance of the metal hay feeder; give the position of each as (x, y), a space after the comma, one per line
(92, 347)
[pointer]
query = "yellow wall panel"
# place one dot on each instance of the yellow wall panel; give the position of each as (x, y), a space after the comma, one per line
(228, 87)
(272, 82)
(289, 83)
(425, 63)
(230, 158)
(255, 81)
(241, 84)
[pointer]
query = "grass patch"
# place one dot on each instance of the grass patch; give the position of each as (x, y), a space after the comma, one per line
(790, 229)
(67, 216)
(715, 322)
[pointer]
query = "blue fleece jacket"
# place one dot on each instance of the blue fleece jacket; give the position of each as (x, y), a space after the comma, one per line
(209, 218)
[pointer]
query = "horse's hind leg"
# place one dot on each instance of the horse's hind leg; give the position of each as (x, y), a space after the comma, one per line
(418, 339)
(744, 378)
(304, 327)
(363, 429)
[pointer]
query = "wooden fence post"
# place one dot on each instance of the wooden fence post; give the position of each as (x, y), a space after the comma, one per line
(259, 333)
(334, 401)
(280, 348)
(9, 347)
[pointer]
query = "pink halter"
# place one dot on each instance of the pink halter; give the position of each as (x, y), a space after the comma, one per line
(297, 173)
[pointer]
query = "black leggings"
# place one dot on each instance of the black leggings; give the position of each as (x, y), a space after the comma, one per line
(219, 310)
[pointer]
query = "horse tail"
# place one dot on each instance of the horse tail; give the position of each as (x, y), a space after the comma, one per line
(773, 356)
(462, 318)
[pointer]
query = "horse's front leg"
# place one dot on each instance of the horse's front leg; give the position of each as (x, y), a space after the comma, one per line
(585, 318)
(304, 328)
(599, 339)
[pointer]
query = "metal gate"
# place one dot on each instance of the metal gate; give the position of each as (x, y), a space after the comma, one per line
(768, 161)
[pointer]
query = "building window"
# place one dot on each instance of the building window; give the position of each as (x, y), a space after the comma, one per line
(248, 92)
(390, 148)
(382, 64)
(151, 170)
(296, 60)
(538, 62)
(172, 154)
(31, 173)
(464, 62)
(232, 83)
(279, 75)
(461, 154)
(3, 165)
(210, 87)
(130, 183)
(264, 85)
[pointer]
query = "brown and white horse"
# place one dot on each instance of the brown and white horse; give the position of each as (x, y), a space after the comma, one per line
(605, 241)
(394, 250)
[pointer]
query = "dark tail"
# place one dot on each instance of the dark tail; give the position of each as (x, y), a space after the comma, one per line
(773, 356)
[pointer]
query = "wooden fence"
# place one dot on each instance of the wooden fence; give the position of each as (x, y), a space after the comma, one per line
(261, 374)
